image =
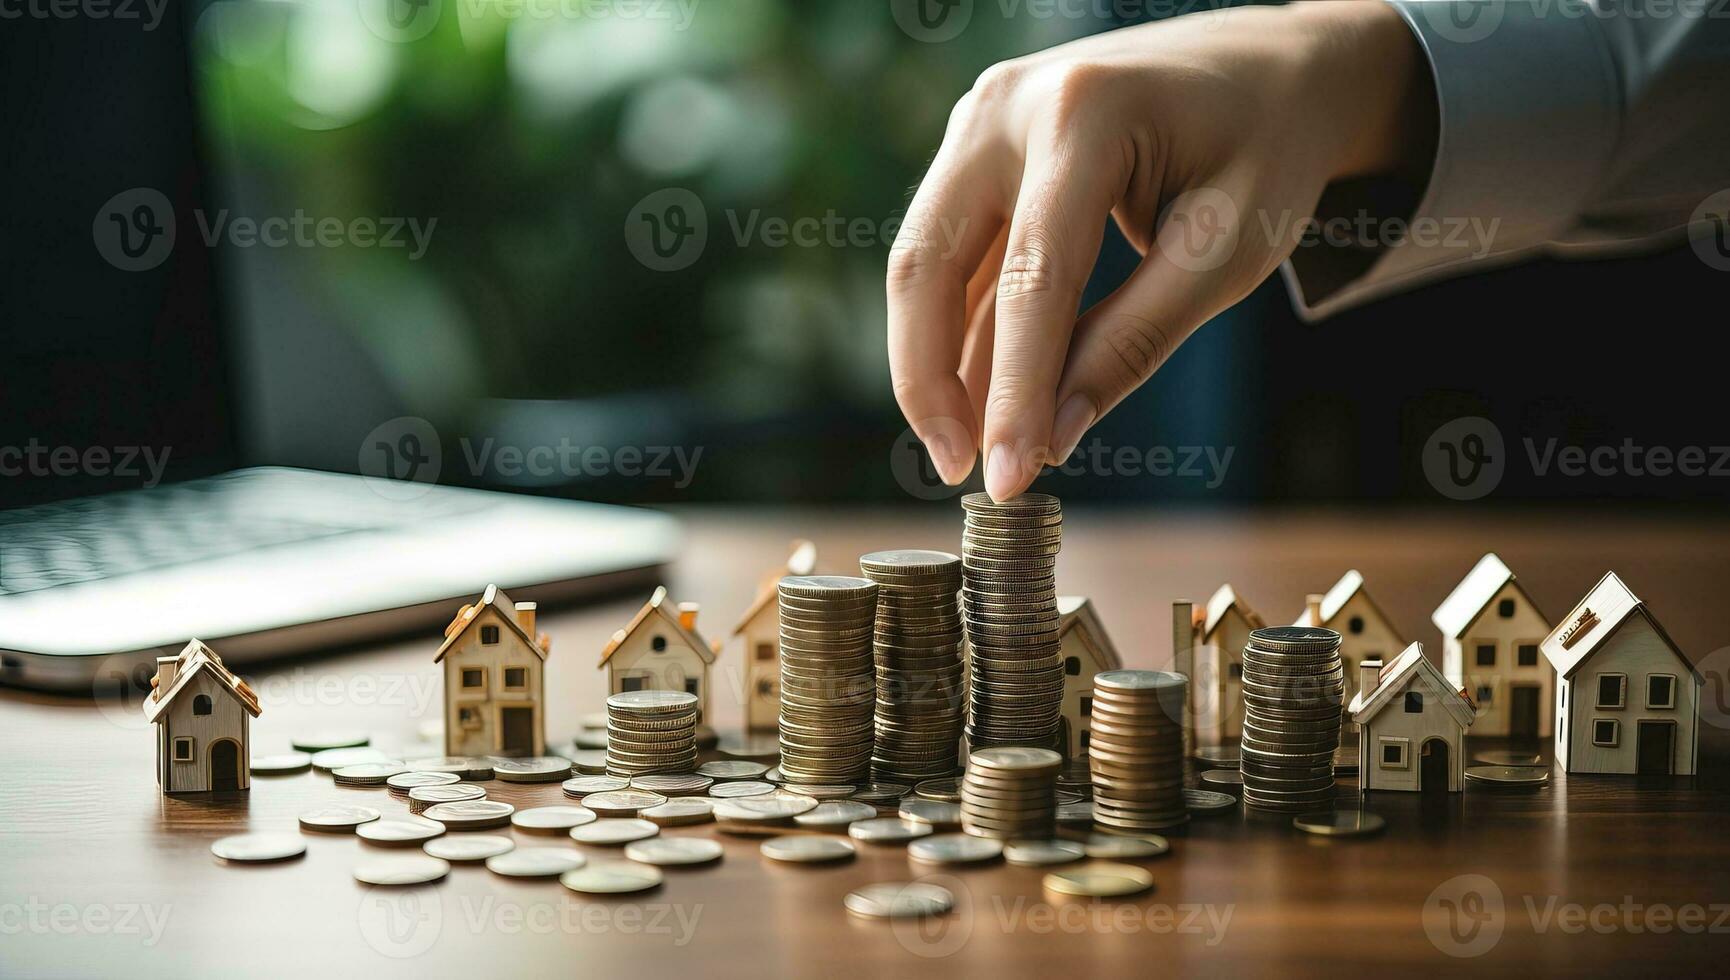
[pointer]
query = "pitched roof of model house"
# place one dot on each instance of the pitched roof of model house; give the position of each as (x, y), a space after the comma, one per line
(1350, 584)
(1596, 619)
(196, 658)
(1078, 610)
(1463, 605)
(495, 598)
(802, 560)
(681, 620)
(1393, 678)
(1225, 599)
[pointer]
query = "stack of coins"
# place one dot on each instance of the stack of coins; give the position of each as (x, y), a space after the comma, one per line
(1009, 597)
(1136, 750)
(1010, 793)
(921, 705)
(828, 689)
(1293, 683)
(651, 732)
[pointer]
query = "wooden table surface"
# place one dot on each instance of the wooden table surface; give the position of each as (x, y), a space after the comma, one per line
(100, 875)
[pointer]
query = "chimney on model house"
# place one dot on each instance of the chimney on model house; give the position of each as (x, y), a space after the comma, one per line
(1369, 675)
(688, 616)
(164, 676)
(526, 617)
(1313, 608)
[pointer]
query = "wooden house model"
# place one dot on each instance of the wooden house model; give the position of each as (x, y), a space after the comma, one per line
(1086, 650)
(495, 678)
(1627, 698)
(1217, 635)
(760, 629)
(1412, 725)
(1366, 633)
(1491, 631)
(660, 650)
(202, 714)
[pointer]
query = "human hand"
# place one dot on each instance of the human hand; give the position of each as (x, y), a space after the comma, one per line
(1194, 134)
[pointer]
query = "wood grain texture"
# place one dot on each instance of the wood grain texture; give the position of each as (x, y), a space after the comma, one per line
(91, 853)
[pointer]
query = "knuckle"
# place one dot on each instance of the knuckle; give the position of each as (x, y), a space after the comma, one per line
(1075, 87)
(1030, 269)
(1138, 347)
(915, 258)
(998, 81)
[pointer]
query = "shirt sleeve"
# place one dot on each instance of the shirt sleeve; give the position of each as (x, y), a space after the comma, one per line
(1567, 127)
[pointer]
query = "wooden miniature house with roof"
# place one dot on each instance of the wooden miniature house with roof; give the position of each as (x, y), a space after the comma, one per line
(760, 630)
(202, 714)
(1412, 725)
(660, 650)
(1366, 633)
(495, 684)
(1086, 650)
(1491, 631)
(1215, 635)
(1627, 698)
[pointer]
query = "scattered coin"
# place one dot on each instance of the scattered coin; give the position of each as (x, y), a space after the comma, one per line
(535, 862)
(899, 900)
(257, 848)
(774, 776)
(552, 819)
(679, 812)
(468, 848)
(407, 869)
(400, 830)
(666, 851)
(1034, 853)
(538, 769)
(882, 794)
(942, 816)
(887, 830)
(1102, 879)
(760, 808)
(611, 878)
(367, 773)
(330, 759)
(833, 791)
(1223, 779)
(401, 783)
(673, 784)
(281, 764)
(742, 788)
(807, 849)
(422, 797)
(1116, 846)
(578, 787)
(1207, 801)
(1499, 758)
(1340, 823)
(590, 762)
(947, 790)
(1217, 756)
(1508, 775)
(471, 814)
(622, 802)
(337, 818)
(724, 769)
(835, 815)
(954, 849)
(320, 741)
(751, 746)
(472, 768)
(614, 831)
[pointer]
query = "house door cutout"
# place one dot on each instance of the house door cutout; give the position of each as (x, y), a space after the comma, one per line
(1433, 767)
(517, 731)
(1523, 711)
(1656, 748)
(224, 764)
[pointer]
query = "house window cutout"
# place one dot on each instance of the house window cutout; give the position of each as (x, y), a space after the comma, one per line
(474, 679)
(1606, 732)
(1660, 690)
(1505, 609)
(1612, 690)
(1086, 706)
(201, 705)
(1395, 752)
(1414, 702)
(489, 636)
(630, 684)
(469, 717)
(1486, 655)
(1085, 740)
(183, 749)
(516, 678)
(1072, 666)
(691, 685)
(1528, 655)
(1356, 625)
(765, 651)
(658, 644)
(1484, 694)
(1236, 672)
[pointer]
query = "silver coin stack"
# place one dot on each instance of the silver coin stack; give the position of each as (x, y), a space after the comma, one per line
(1136, 750)
(1010, 793)
(921, 703)
(1009, 602)
(651, 732)
(828, 687)
(1293, 685)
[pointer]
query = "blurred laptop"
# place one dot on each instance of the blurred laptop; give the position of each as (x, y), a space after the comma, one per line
(132, 516)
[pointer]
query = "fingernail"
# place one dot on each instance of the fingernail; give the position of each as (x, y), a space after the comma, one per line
(952, 461)
(1071, 424)
(1002, 474)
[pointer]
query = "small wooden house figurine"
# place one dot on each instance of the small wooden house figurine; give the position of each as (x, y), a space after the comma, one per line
(1627, 698)
(1217, 636)
(660, 650)
(1412, 725)
(202, 714)
(1491, 631)
(760, 627)
(1086, 650)
(1366, 633)
(495, 678)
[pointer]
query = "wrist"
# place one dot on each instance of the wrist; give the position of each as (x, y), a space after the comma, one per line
(1374, 89)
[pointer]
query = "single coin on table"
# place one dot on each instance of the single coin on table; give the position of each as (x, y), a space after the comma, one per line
(837, 791)
(742, 788)
(1102, 879)
(1504, 758)
(612, 878)
(319, 741)
(1036, 853)
(1075, 813)
(614, 831)
(899, 900)
(281, 764)
(673, 784)
(534, 769)
(400, 830)
(331, 759)
(756, 808)
(622, 802)
(724, 769)
(337, 818)
(552, 819)
(468, 848)
(954, 849)
(535, 862)
(888, 830)
(1218, 756)
(471, 814)
(367, 773)
(402, 782)
(945, 790)
(469, 767)
(835, 815)
(420, 798)
(258, 848)
(1508, 775)
(581, 786)
(407, 869)
(881, 793)
(807, 850)
(1207, 801)
(1117, 846)
(591, 762)
(665, 851)
(942, 816)
(1340, 823)
(1223, 779)
(679, 812)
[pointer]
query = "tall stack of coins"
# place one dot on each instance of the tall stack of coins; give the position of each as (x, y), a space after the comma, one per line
(1009, 598)
(651, 732)
(1136, 749)
(1010, 793)
(828, 678)
(1293, 683)
(921, 705)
